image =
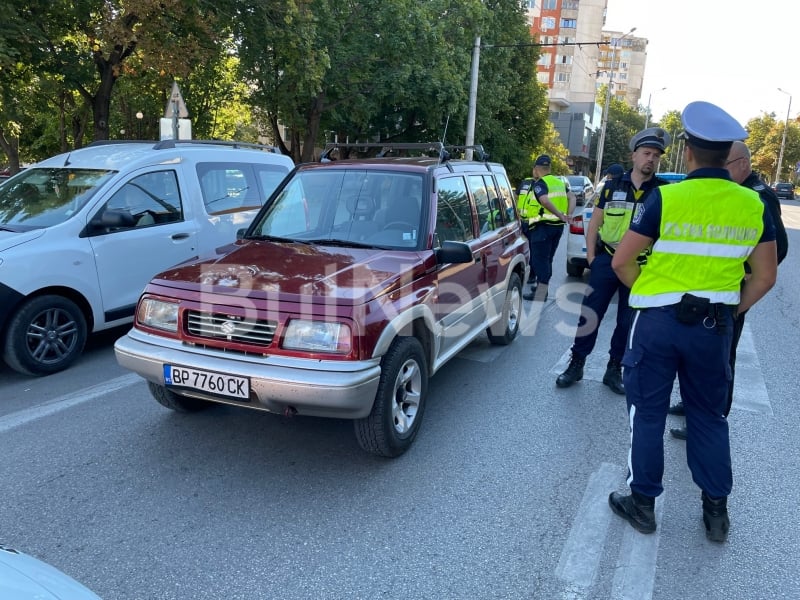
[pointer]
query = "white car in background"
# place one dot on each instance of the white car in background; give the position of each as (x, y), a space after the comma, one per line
(576, 235)
(83, 232)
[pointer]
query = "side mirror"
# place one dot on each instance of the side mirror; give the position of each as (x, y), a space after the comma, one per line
(240, 233)
(453, 252)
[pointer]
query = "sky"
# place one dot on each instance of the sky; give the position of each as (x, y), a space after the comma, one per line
(734, 53)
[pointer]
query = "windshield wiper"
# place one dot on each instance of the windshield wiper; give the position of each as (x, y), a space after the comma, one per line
(342, 243)
(7, 228)
(275, 238)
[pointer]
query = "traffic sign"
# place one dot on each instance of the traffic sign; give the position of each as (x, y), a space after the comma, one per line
(176, 104)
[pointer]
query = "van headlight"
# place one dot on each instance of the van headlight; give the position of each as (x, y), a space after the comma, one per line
(157, 313)
(318, 336)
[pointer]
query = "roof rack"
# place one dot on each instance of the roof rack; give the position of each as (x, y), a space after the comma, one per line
(384, 149)
(480, 153)
(168, 144)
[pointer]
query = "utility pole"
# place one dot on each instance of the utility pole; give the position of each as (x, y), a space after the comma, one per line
(473, 98)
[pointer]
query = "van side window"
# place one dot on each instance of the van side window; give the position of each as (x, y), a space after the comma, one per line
(151, 199)
(229, 187)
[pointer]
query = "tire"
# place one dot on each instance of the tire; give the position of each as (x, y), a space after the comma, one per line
(396, 415)
(175, 402)
(574, 270)
(506, 329)
(46, 335)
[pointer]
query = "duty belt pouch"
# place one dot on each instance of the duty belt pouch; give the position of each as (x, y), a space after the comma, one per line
(692, 309)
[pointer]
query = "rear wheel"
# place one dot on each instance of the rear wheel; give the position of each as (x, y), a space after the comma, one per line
(574, 270)
(506, 329)
(45, 336)
(174, 401)
(391, 427)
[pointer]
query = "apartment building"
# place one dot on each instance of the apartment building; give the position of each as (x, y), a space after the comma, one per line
(577, 57)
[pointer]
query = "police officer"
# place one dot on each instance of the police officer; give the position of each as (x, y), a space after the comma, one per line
(685, 299)
(546, 213)
(740, 167)
(610, 220)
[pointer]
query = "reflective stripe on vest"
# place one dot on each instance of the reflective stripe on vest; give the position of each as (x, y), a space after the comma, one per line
(557, 194)
(708, 229)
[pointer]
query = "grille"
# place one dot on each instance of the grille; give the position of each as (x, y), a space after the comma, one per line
(223, 327)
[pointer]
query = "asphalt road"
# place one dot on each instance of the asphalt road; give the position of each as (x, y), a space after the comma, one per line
(503, 494)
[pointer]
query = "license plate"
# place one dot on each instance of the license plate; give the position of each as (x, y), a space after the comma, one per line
(207, 381)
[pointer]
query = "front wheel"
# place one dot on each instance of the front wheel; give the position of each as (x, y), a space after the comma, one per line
(45, 336)
(394, 421)
(506, 329)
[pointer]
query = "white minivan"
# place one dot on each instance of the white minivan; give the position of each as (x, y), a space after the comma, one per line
(83, 232)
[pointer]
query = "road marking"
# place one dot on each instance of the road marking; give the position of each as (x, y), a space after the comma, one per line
(749, 388)
(635, 573)
(28, 415)
(583, 549)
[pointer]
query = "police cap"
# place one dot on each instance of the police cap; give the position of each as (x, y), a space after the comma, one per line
(615, 170)
(653, 137)
(706, 125)
(542, 161)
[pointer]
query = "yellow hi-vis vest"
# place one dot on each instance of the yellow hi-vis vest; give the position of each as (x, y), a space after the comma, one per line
(527, 205)
(708, 229)
(557, 194)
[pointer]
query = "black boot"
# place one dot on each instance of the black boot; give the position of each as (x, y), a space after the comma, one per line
(636, 509)
(573, 373)
(715, 517)
(677, 409)
(613, 376)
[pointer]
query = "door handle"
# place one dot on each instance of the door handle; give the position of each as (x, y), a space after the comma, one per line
(179, 236)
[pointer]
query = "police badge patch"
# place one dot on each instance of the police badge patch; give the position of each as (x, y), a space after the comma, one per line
(638, 212)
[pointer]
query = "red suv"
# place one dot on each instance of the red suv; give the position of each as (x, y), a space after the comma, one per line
(358, 280)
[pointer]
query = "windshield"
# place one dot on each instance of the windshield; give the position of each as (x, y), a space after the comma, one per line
(346, 206)
(40, 197)
(576, 181)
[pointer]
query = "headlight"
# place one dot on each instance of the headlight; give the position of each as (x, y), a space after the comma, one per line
(158, 314)
(318, 336)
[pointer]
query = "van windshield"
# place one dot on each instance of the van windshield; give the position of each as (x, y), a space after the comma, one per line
(43, 197)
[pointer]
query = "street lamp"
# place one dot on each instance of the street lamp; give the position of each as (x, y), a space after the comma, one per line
(783, 141)
(139, 117)
(604, 123)
(647, 115)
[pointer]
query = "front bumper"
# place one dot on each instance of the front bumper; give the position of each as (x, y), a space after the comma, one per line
(318, 388)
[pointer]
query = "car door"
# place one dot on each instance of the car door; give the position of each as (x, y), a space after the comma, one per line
(143, 228)
(461, 299)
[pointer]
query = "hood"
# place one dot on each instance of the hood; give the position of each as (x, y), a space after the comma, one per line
(9, 239)
(24, 577)
(294, 272)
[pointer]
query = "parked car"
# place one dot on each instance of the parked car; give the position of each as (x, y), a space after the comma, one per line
(358, 280)
(784, 190)
(582, 187)
(576, 234)
(83, 232)
(23, 577)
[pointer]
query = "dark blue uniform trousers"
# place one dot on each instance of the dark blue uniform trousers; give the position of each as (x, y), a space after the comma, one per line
(543, 240)
(603, 284)
(659, 347)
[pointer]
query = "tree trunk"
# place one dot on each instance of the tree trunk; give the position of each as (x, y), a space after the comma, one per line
(313, 118)
(10, 146)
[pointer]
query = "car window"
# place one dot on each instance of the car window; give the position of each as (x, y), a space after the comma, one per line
(228, 187)
(454, 221)
(506, 196)
(151, 199)
(347, 205)
(43, 197)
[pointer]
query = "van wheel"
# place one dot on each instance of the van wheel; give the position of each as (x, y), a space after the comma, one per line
(506, 329)
(45, 336)
(174, 401)
(391, 427)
